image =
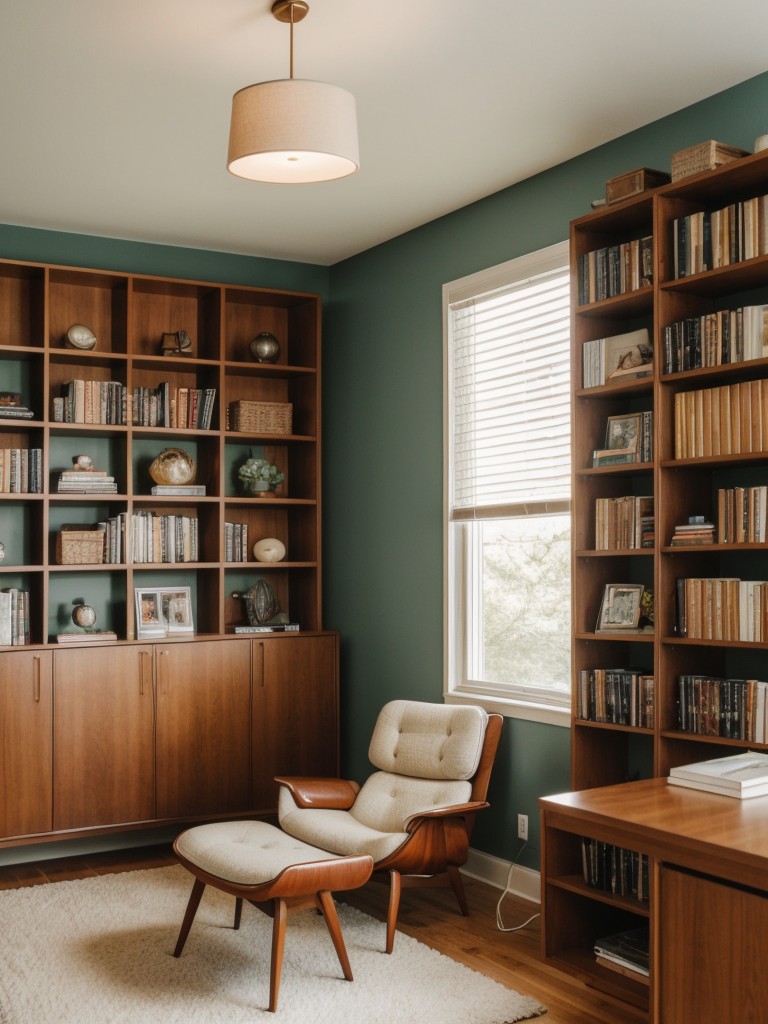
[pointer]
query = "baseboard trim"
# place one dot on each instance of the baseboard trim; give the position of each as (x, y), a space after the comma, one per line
(522, 881)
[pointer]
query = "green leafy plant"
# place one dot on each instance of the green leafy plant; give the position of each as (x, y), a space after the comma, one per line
(253, 470)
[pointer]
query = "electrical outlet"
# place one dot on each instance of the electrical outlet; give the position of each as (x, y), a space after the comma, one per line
(522, 826)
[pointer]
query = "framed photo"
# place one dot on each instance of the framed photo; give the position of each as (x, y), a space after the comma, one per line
(622, 433)
(163, 611)
(621, 606)
(176, 609)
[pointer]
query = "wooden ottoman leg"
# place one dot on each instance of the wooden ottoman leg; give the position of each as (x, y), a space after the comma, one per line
(278, 942)
(332, 921)
(194, 902)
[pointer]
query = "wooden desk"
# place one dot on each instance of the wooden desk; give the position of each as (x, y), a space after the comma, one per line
(708, 905)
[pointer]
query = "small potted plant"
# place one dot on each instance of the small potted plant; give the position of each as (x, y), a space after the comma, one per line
(259, 477)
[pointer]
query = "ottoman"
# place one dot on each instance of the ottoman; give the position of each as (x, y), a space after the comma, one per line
(254, 861)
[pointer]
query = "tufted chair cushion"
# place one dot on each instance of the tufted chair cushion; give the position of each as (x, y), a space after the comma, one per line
(428, 741)
(426, 754)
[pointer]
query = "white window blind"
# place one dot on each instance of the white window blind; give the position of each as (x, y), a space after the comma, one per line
(510, 380)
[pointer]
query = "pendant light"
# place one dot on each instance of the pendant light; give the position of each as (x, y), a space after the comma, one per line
(293, 130)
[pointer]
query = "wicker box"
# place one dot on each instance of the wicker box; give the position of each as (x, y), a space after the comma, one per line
(703, 157)
(632, 183)
(80, 547)
(260, 417)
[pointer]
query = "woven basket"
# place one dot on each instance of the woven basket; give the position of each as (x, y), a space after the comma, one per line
(260, 417)
(703, 157)
(80, 547)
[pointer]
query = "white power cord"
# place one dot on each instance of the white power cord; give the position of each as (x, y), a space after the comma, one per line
(499, 921)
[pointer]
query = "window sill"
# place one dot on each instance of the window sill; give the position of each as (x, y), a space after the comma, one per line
(545, 714)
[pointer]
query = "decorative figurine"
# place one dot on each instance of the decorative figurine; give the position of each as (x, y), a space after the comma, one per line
(176, 343)
(265, 348)
(174, 467)
(83, 615)
(261, 604)
(269, 549)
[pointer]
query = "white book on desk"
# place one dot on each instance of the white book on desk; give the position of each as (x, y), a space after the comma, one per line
(740, 776)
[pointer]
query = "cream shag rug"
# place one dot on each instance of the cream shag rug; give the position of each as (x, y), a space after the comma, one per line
(99, 951)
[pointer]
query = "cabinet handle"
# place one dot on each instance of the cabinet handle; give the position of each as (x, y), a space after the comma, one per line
(36, 678)
(161, 672)
(144, 665)
(260, 661)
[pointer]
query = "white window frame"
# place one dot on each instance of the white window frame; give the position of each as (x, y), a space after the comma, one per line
(493, 697)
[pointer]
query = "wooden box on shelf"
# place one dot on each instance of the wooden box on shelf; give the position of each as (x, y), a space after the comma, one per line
(632, 183)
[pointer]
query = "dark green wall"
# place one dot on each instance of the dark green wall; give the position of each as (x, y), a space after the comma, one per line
(383, 440)
(383, 421)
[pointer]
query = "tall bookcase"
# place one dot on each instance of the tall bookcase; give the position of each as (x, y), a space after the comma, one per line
(709, 405)
(128, 314)
(683, 483)
(102, 737)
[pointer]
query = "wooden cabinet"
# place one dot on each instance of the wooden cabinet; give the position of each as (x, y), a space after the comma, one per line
(708, 897)
(203, 728)
(704, 386)
(25, 743)
(103, 741)
(295, 725)
(168, 728)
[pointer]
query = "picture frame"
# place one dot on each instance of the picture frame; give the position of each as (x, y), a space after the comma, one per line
(163, 611)
(622, 433)
(621, 607)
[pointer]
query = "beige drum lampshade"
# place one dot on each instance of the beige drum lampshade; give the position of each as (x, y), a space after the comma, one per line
(293, 131)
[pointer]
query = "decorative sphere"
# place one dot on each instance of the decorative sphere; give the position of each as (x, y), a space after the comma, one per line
(270, 549)
(173, 467)
(84, 615)
(265, 348)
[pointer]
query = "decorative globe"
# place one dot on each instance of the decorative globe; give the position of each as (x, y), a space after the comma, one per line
(265, 348)
(270, 549)
(173, 467)
(84, 616)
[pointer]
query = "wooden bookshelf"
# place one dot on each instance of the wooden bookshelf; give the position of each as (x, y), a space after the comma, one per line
(685, 481)
(196, 687)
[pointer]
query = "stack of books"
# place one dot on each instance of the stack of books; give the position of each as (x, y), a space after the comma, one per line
(96, 636)
(741, 776)
(698, 530)
(11, 407)
(626, 953)
(86, 481)
(179, 490)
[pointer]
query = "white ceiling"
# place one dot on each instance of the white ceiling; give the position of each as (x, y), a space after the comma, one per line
(114, 116)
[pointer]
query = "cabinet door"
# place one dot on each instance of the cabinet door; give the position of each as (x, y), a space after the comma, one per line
(25, 743)
(103, 736)
(203, 736)
(295, 711)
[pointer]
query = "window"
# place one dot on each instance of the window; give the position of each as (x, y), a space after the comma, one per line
(507, 505)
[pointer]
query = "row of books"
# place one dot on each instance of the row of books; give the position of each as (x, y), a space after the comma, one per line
(21, 470)
(145, 536)
(620, 696)
(628, 439)
(614, 869)
(727, 336)
(624, 523)
(741, 515)
(722, 608)
(619, 357)
(91, 401)
(235, 542)
(14, 617)
(727, 420)
(733, 708)
(706, 240)
(615, 269)
(169, 406)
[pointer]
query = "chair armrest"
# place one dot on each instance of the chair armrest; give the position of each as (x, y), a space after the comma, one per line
(335, 794)
(452, 811)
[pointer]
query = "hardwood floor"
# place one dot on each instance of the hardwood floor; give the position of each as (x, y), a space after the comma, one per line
(430, 915)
